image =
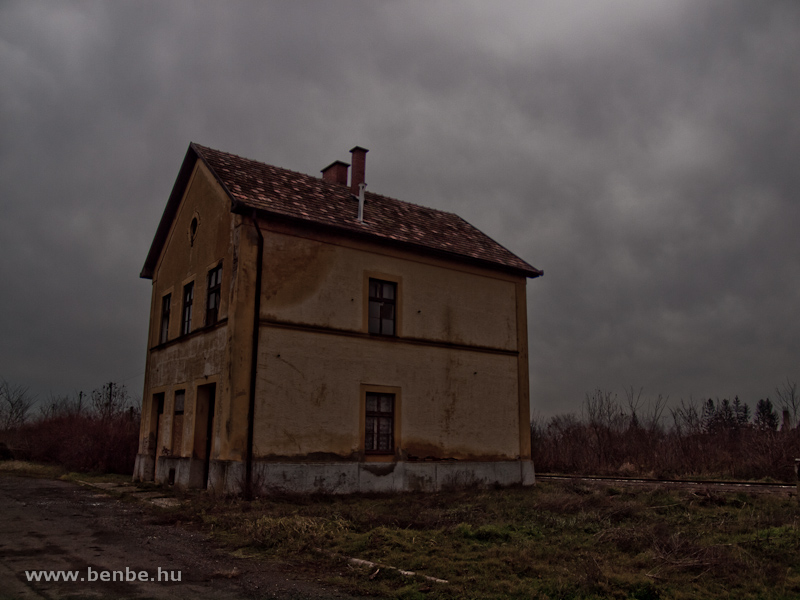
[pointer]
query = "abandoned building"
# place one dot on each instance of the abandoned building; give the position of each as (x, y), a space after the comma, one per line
(307, 335)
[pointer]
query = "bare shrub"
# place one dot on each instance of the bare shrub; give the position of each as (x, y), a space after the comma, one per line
(100, 436)
(709, 438)
(561, 443)
(606, 422)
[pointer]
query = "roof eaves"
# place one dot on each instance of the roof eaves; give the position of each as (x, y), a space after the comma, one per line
(533, 272)
(243, 207)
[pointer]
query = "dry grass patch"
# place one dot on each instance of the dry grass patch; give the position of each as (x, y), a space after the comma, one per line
(30, 469)
(555, 540)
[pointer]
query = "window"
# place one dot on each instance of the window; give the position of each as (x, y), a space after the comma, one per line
(193, 231)
(379, 433)
(188, 297)
(382, 306)
(166, 302)
(212, 301)
(155, 419)
(158, 401)
(180, 399)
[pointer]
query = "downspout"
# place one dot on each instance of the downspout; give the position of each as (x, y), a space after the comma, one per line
(248, 467)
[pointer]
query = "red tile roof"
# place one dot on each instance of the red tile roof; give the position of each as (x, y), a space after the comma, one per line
(281, 192)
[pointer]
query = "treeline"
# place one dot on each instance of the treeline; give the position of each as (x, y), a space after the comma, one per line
(710, 438)
(96, 432)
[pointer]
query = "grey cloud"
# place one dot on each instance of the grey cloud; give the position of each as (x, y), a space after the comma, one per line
(640, 153)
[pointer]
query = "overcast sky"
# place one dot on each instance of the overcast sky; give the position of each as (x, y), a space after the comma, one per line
(643, 154)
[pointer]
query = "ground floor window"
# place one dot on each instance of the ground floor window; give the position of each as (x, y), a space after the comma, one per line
(379, 432)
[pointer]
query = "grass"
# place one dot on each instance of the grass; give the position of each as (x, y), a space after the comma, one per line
(97, 478)
(24, 468)
(556, 540)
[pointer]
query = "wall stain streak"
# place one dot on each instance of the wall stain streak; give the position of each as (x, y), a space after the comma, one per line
(319, 397)
(295, 271)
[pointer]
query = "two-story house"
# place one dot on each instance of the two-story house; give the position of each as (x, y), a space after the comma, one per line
(307, 335)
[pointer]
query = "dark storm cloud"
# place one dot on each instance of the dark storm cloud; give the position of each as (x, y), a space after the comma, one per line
(686, 262)
(640, 153)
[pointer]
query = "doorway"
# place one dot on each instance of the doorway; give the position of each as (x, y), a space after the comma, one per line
(154, 435)
(204, 427)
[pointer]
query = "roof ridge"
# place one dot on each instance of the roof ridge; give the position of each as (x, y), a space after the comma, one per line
(253, 160)
(336, 186)
(292, 194)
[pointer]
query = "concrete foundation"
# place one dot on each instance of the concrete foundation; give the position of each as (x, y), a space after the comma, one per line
(144, 469)
(227, 477)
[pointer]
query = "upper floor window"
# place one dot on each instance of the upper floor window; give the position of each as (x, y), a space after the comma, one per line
(212, 301)
(186, 316)
(193, 231)
(166, 303)
(382, 307)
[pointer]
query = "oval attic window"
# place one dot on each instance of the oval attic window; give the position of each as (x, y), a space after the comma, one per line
(192, 231)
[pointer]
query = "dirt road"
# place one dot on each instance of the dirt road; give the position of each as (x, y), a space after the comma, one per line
(55, 526)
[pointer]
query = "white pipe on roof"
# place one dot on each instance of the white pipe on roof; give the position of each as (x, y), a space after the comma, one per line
(361, 187)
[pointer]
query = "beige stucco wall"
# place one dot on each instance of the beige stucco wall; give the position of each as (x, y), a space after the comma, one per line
(184, 363)
(319, 283)
(199, 356)
(454, 403)
(182, 261)
(458, 398)
(199, 360)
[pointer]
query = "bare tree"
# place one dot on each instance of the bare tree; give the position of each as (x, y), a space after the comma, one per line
(651, 420)
(110, 400)
(687, 418)
(63, 406)
(789, 399)
(655, 413)
(15, 403)
(634, 400)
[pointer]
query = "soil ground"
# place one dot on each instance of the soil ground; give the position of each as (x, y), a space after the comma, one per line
(51, 525)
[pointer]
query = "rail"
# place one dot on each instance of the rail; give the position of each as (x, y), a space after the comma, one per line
(744, 485)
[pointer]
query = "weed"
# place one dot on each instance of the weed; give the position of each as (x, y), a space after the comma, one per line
(555, 540)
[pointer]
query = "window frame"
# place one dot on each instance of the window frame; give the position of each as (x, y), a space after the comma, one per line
(186, 311)
(377, 416)
(213, 291)
(376, 455)
(166, 310)
(381, 302)
(175, 407)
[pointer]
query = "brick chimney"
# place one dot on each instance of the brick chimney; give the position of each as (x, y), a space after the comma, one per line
(336, 172)
(359, 168)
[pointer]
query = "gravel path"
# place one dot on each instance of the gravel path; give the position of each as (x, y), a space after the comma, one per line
(49, 525)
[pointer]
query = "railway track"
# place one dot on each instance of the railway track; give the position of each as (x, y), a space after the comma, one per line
(705, 485)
